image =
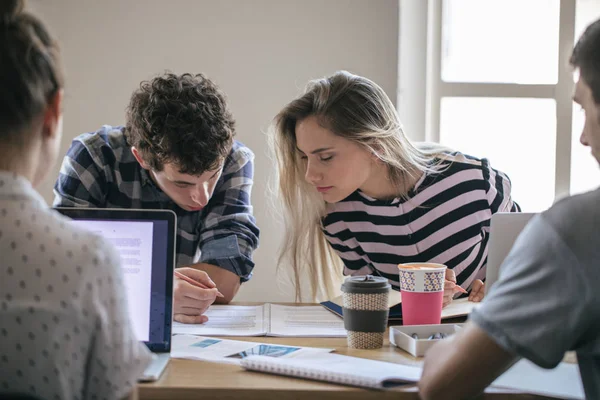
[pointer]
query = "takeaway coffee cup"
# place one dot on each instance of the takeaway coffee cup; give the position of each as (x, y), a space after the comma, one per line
(365, 310)
(422, 290)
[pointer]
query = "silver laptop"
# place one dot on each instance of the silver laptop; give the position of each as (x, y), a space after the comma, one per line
(145, 240)
(504, 230)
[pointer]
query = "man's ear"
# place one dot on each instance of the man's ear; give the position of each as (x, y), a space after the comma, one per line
(139, 158)
(53, 116)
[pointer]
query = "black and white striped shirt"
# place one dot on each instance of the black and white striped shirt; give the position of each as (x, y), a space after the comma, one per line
(445, 220)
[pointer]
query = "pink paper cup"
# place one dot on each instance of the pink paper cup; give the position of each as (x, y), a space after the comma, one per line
(422, 289)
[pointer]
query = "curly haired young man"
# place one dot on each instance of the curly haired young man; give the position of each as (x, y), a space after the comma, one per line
(177, 152)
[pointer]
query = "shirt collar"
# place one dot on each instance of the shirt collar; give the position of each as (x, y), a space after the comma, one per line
(146, 180)
(145, 177)
(18, 188)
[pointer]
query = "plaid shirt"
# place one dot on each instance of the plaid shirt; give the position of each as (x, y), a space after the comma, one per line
(99, 170)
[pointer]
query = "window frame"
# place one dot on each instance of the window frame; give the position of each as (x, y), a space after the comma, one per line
(425, 18)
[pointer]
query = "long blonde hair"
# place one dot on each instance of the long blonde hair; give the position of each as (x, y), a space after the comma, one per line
(356, 109)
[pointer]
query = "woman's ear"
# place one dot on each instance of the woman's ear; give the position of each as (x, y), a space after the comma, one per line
(139, 158)
(376, 152)
(52, 123)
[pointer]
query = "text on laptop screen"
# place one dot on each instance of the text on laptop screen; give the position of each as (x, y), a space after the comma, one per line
(142, 246)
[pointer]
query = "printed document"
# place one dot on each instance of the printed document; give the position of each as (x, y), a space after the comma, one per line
(233, 351)
(266, 320)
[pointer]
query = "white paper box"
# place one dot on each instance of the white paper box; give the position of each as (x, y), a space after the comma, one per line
(400, 336)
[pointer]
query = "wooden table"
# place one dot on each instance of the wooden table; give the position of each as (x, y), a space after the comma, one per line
(191, 379)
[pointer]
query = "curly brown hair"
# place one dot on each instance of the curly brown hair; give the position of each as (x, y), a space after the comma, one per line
(180, 119)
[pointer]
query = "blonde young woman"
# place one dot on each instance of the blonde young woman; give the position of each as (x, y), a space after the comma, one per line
(360, 198)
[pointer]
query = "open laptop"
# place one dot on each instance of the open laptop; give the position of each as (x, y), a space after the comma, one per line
(145, 240)
(504, 230)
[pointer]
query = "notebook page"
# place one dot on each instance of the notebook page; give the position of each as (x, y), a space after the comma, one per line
(563, 382)
(225, 320)
(337, 368)
(305, 321)
(459, 308)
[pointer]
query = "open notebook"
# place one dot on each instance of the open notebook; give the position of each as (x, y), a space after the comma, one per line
(336, 368)
(458, 308)
(563, 382)
(266, 320)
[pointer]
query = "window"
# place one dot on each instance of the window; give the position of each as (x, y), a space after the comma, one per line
(493, 41)
(499, 86)
(523, 144)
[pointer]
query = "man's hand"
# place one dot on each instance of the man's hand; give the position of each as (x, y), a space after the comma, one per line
(190, 301)
(227, 282)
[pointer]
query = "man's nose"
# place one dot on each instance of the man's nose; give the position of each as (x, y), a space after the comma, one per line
(583, 139)
(200, 196)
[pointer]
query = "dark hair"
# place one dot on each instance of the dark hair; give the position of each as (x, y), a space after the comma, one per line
(182, 120)
(30, 69)
(586, 57)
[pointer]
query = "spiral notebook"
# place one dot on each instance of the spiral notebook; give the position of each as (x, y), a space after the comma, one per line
(336, 368)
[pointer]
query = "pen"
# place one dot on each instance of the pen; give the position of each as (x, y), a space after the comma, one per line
(460, 289)
(195, 283)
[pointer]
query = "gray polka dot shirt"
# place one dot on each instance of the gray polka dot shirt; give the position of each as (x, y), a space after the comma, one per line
(64, 328)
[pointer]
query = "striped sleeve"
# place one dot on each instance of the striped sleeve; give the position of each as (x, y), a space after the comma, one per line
(498, 191)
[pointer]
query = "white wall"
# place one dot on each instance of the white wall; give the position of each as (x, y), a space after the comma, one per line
(412, 67)
(261, 52)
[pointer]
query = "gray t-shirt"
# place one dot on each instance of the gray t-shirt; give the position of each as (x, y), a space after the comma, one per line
(546, 301)
(65, 331)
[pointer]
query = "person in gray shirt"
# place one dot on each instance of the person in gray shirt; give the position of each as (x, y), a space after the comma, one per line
(544, 303)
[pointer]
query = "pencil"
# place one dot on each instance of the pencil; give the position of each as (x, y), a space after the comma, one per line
(195, 283)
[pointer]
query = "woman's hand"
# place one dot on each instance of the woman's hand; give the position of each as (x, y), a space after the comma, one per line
(477, 291)
(451, 288)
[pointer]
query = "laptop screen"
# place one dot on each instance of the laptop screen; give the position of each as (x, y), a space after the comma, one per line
(145, 244)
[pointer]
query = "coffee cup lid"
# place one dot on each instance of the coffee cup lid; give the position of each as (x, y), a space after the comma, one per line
(368, 282)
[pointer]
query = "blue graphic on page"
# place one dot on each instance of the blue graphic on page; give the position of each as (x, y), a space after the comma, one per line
(205, 343)
(266, 350)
